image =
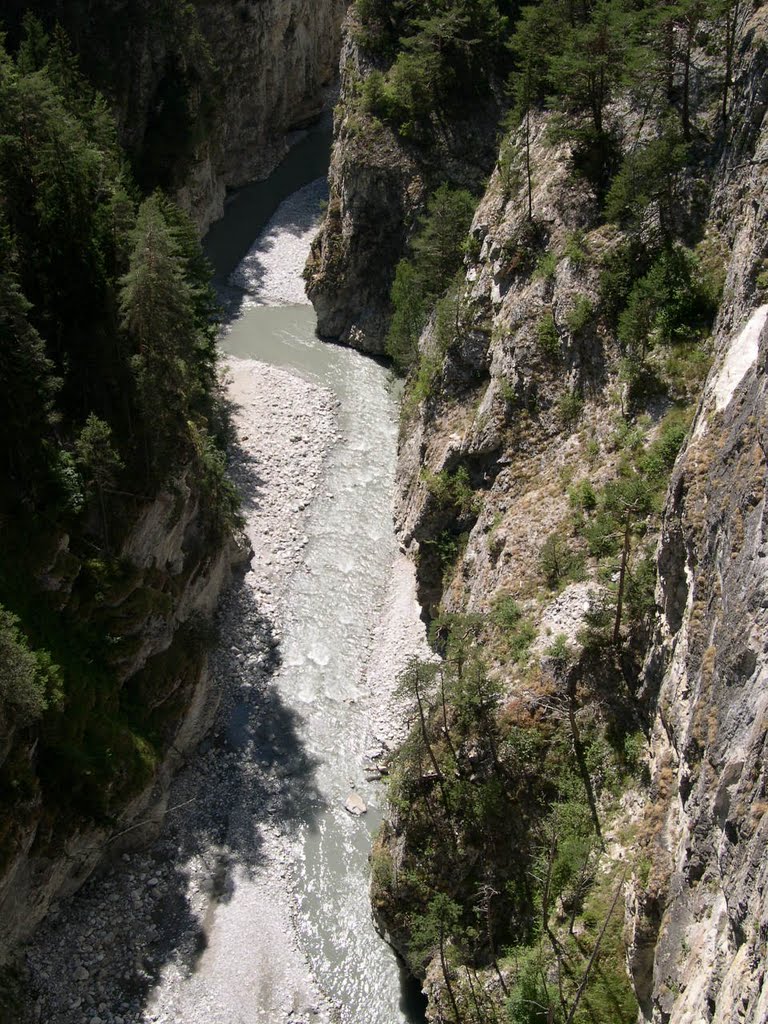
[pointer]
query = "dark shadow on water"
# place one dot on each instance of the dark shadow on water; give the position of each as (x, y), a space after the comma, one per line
(413, 1002)
(249, 209)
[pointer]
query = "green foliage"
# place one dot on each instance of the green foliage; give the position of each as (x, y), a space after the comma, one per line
(649, 175)
(558, 563)
(500, 834)
(570, 406)
(519, 639)
(432, 54)
(439, 245)
(516, 632)
(582, 496)
(453, 491)
(615, 519)
(576, 249)
(29, 679)
(437, 252)
(622, 266)
(548, 337)
(528, 1001)
(546, 265)
(108, 366)
(510, 169)
(581, 315)
(409, 316)
(95, 454)
(663, 306)
(506, 613)
(221, 505)
(559, 648)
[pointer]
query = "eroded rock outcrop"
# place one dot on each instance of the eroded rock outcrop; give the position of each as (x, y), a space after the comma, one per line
(272, 61)
(379, 184)
(161, 613)
(700, 925)
(522, 405)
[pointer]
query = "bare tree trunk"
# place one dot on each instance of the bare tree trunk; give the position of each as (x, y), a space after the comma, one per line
(430, 751)
(488, 894)
(446, 975)
(622, 579)
(595, 951)
(731, 22)
(528, 175)
(686, 112)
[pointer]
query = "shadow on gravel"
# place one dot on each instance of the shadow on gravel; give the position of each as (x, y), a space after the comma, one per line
(137, 917)
(247, 278)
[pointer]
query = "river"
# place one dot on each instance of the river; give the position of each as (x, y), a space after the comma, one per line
(252, 906)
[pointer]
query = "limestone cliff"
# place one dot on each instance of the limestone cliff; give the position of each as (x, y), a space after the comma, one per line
(272, 61)
(204, 94)
(525, 406)
(160, 614)
(699, 928)
(379, 183)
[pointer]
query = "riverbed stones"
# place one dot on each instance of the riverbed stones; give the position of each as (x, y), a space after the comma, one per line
(355, 804)
(231, 823)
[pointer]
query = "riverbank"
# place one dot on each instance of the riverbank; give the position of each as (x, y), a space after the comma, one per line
(224, 918)
(133, 944)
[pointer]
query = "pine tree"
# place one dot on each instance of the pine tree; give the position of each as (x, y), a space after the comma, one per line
(98, 462)
(158, 312)
(27, 383)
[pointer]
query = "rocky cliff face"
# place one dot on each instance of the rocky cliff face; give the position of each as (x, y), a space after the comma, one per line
(379, 183)
(162, 614)
(205, 93)
(700, 927)
(523, 404)
(272, 61)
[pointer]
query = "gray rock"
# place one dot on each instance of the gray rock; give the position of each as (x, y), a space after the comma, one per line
(355, 804)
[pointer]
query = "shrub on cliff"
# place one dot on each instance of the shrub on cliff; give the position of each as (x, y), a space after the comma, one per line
(29, 680)
(437, 251)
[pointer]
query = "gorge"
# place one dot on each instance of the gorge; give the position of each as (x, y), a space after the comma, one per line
(571, 278)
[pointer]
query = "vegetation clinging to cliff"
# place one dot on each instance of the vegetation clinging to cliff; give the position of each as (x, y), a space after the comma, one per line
(584, 325)
(108, 365)
(437, 56)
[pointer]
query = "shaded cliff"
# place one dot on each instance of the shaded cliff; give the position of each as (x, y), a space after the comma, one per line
(204, 94)
(118, 517)
(66, 795)
(381, 176)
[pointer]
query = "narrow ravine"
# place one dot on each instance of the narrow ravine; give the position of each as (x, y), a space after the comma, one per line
(252, 904)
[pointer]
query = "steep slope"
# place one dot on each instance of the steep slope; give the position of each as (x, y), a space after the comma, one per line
(118, 519)
(203, 93)
(385, 164)
(699, 941)
(556, 382)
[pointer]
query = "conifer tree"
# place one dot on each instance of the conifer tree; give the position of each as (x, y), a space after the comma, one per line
(27, 382)
(157, 306)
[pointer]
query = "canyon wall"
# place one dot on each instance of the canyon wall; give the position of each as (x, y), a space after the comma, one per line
(272, 62)
(518, 409)
(162, 613)
(205, 97)
(700, 926)
(379, 182)
(204, 94)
